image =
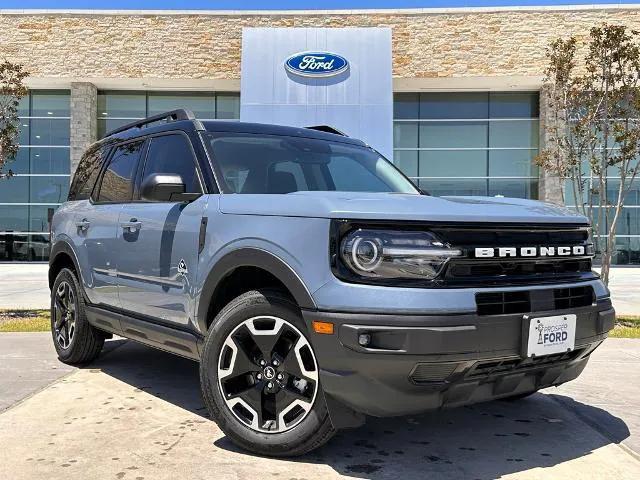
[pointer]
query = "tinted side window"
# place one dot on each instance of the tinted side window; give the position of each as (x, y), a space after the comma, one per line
(118, 179)
(172, 154)
(87, 174)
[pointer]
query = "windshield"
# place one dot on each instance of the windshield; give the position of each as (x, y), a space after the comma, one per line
(255, 163)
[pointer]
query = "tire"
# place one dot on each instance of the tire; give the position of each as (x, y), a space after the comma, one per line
(83, 342)
(268, 429)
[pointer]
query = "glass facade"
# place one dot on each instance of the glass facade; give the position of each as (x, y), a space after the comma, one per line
(41, 180)
(471, 143)
(628, 228)
(116, 108)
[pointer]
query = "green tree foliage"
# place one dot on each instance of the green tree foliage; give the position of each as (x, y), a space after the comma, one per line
(12, 89)
(593, 129)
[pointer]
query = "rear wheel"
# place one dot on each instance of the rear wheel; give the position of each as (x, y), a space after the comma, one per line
(259, 377)
(75, 340)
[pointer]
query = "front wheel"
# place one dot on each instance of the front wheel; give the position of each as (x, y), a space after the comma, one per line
(76, 341)
(260, 377)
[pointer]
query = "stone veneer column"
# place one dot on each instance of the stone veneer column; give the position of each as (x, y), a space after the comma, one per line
(84, 119)
(550, 186)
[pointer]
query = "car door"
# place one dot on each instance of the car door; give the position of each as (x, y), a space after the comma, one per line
(96, 220)
(158, 241)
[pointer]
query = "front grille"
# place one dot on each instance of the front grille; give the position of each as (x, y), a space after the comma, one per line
(526, 301)
(467, 270)
(510, 365)
(573, 297)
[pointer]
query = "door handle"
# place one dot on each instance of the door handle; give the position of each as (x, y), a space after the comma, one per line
(132, 225)
(83, 225)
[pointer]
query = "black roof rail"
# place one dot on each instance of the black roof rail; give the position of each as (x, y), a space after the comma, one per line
(172, 116)
(327, 129)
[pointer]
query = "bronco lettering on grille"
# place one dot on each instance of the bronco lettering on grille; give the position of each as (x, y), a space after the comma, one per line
(551, 251)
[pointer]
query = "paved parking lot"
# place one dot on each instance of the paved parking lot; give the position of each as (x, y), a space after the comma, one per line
(137, 414)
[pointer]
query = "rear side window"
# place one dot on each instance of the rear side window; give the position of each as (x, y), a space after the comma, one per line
(172, 154)
(87, 173)
(118, 178)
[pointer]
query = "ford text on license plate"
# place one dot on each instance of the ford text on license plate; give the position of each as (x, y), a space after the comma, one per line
(548, 335)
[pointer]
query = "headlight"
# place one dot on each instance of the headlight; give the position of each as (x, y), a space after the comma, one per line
(392, 254)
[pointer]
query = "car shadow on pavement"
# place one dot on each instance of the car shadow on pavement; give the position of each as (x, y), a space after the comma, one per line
(482, 441)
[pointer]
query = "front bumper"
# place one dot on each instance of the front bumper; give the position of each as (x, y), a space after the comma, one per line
(422, 362)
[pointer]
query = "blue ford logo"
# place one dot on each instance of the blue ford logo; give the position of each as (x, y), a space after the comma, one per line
(316, 64)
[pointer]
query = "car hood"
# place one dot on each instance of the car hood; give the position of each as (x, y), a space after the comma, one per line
(394, 206)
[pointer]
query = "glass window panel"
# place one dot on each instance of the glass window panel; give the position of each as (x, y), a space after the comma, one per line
(14, 218)
(405, 134)
(454, 105)
(515, 188)
(453, 134)
(49, 132)
(632, 197)
(454, 187)
(122, 104)
(117, 180)
(627, 251)
(50, 104)
(14, 189)
(406, 106)
(23, 106)
(49, 189)
(614, 170)
(407, 162)
(20, 164)
(23, 136)
(105, 125)
(460, 163)
(39, 217)
(228, 106)
(172, 154)
(629, 222)
(13, 247)
(203, 106)
(513, 105)
(569, 195)
(517, 133)
(49, 160)
(512, 163)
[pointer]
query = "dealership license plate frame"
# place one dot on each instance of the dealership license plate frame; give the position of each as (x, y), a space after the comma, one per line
(530, 320)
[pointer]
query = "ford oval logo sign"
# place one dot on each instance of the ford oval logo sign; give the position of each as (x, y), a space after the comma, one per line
(316, 64)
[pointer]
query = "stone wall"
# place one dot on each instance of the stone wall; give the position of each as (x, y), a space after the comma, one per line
(425, 45)
(84, 123)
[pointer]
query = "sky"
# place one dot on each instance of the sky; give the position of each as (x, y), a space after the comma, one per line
(279, 4)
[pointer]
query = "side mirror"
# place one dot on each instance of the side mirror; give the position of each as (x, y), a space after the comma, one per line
(160, 187)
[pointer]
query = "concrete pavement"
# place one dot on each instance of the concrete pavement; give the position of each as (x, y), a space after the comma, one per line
(25, 285)
(28, 363)
(137, 413)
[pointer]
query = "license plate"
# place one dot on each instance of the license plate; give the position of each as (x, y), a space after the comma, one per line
(548, 335)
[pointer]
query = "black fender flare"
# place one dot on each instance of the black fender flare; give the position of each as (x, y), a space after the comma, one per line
(62, 247)
(251, 257)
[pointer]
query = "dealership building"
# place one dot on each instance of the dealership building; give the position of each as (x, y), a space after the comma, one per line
(452, 96)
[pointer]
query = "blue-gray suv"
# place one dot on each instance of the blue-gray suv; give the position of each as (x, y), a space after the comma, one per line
(313, 282)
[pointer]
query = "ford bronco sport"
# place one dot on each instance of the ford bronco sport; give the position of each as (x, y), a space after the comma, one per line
(313, 282)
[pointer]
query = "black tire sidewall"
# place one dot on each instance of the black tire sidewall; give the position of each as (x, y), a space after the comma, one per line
(291, 442)
(84, 332)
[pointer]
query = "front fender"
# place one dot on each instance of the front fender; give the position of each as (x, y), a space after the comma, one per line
(251, 257)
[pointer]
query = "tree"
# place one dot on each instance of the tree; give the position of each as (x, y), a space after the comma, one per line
(12, 89)
(593, 129)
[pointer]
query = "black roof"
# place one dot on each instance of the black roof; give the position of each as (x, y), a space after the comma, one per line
(270, 129)
(185, 121)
